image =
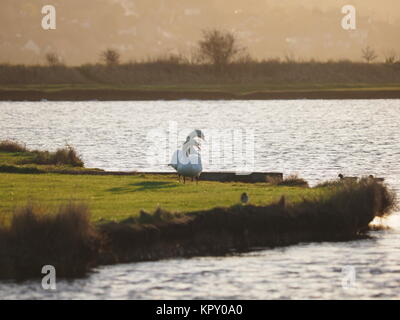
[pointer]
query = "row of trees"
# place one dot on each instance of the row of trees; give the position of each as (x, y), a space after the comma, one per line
(218, 48)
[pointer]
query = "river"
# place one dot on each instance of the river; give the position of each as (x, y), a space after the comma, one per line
(317, 139)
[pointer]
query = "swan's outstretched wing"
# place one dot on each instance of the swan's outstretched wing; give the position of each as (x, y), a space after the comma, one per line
(175, 160)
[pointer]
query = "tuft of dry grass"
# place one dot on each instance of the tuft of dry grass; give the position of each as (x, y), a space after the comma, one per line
(290, 181)
(36, 237)
(12, 146)
(62, 156)
(329, 183)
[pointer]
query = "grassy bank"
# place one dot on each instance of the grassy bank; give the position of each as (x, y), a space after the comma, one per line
(172, 79)
(118, 197)
(66, 238)
(76, 222)
(389, 92)
(16, 158)
(170, 72)
(199, 92)
(114, 197)
(234, 88)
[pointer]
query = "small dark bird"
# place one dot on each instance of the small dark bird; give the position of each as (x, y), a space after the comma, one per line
(348, 179)
(244, 198)
(376, 179)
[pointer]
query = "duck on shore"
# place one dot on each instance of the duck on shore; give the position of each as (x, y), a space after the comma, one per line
(347, 179)
(244, 198)
(187, 161)
(376, 179)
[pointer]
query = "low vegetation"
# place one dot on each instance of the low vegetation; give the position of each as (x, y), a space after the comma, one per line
(19, 156)
(290, 181)
(12, 146)
(62, 156)
(177, 71)
(65, 239)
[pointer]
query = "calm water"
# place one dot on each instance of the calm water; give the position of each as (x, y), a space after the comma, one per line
(316, 139)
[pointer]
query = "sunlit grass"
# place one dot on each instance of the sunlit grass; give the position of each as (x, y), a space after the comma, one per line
(117, 197)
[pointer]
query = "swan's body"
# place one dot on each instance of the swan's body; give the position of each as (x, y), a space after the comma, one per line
(187, 166)
(187, 162)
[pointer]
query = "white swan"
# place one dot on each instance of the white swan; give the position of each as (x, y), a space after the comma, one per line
(187, 162)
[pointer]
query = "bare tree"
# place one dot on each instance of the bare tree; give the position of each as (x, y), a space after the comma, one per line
(53, 59)
(219, 48)
(369, 54)
(110, 57)
(290, 57)
(390, 57)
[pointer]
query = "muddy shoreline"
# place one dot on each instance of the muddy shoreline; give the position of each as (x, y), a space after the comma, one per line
(145, 95)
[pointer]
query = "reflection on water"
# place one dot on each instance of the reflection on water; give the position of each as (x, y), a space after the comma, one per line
(317, 139)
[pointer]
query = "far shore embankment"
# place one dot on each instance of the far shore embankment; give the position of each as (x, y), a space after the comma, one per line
(147, 95)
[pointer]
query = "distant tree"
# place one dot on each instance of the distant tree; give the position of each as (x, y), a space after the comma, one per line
(369, 54)
(219, 48)
(290, 57)
(53, 59)
(110, 57)
(390, 57)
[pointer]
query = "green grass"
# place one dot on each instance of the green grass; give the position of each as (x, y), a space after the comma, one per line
(118, 197)
(14, 158)
(16, 161)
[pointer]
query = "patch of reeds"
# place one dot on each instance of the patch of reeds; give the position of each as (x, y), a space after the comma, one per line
(289, 181)
(329, 183)
(12, 146)
(62, 156)
(36, 237)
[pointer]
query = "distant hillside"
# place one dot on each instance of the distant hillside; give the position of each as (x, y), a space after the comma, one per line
(150, 28)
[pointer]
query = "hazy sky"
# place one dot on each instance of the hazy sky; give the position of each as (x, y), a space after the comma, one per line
(143, 29)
